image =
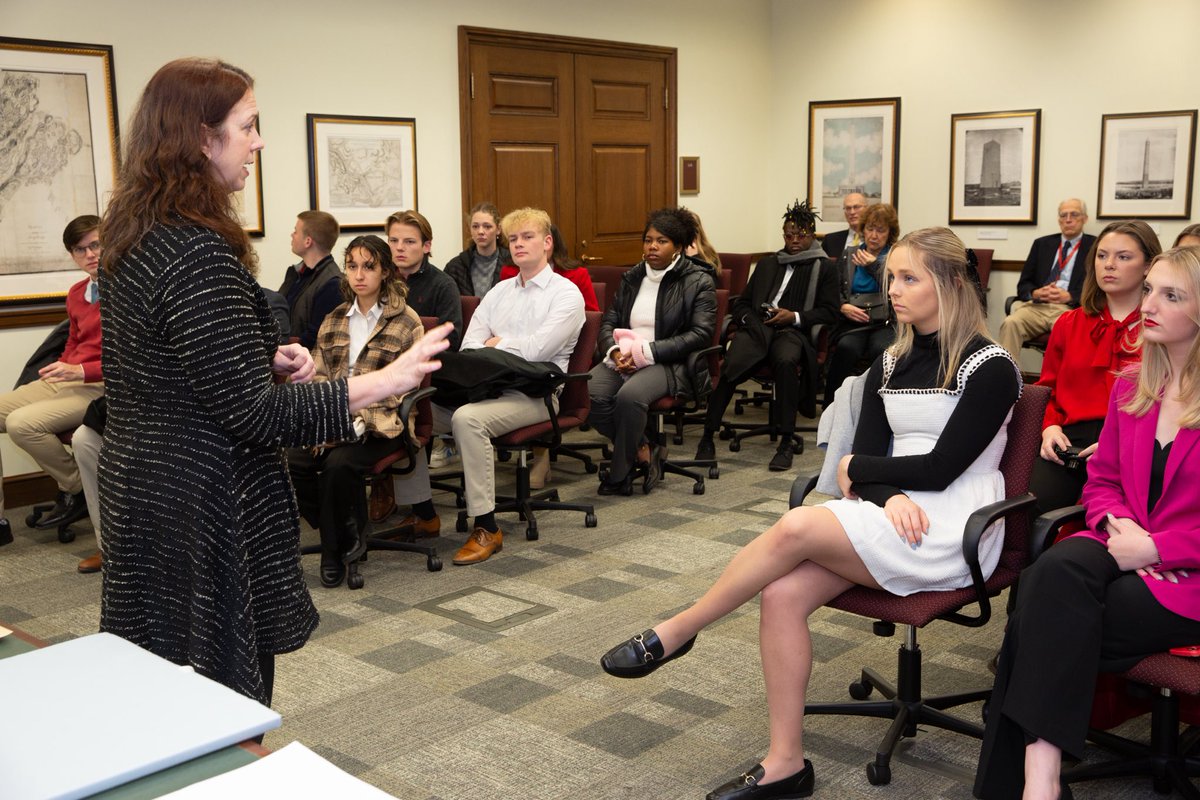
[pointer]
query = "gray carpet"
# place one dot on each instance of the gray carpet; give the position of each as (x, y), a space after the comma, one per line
(483, 683)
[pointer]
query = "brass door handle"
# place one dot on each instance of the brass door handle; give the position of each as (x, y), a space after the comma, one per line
(588, 258)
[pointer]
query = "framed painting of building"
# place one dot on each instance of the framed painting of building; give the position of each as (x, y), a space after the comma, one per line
(361, 169)
(1146, 163)
(994, 167)
(853, 146)
(58, 159)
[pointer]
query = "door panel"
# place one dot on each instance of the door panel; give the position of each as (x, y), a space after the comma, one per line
(526, 175)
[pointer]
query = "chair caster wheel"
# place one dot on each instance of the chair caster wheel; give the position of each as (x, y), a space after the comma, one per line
(460, 524)
(983, 712)
(860, 690)
(678, 439)
(32, 519)
(460, 502)
(714, 473)
(591, 469)
(355, 581)
(589, 521)
(738, 410)
(433, 564)
(66, 535)
(879, 774)
(725, 434)
(531, 533)
(698, 488)
(735, 446)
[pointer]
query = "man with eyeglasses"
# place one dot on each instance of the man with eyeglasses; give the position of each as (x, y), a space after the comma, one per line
(834, 244)
(35, 414)
(1051, 279)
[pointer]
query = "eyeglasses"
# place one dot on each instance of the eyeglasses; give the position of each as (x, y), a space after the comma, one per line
(1070, 214)
(83, 249)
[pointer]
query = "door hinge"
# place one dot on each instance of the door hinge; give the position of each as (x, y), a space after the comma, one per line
(472, 85)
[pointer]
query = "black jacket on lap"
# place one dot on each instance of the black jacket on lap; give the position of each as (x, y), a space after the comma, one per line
(685, 316)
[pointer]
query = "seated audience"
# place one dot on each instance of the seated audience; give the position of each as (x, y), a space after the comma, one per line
(942, 394)
(663, 313)
(775, 314)
(1126, 587)
(311, 287)
(536, 316)
(702, 249)
(1088, 346)
(1050, 285)
(572, 270)
(367, 332)
(477, 269)
(864, 329)
(838, 242)
(431, 292)
(1188, 237)
(35, 414)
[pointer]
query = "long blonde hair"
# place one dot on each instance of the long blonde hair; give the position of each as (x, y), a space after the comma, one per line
(960, 314)
(1153, 375)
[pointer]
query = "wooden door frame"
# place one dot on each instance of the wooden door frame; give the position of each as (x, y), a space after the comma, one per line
(468, 36)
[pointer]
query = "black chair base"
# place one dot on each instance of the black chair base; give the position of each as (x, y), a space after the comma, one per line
(525, 503)
(1169, 760)
(65, 534)
(355, 580)
(730, 432)
(903, 705)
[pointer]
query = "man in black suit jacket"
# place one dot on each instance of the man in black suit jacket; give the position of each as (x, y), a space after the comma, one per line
(853, 205)
(790, 292)
(1051, 280)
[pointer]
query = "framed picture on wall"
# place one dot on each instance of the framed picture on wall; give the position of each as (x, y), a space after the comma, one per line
(249, 201)
(994, 167)
(58, 159)
(853, 146)
(1146, 165)
(361, 169)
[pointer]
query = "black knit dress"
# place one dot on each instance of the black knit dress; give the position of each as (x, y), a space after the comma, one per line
(201, 530)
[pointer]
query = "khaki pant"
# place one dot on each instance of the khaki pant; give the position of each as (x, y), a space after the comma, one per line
(86, 445)
(34, 414)
(1028, 320)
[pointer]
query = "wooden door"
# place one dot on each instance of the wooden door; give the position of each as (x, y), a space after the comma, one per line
(579, 127)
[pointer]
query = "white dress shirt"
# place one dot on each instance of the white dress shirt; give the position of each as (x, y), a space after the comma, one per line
(361, 325)
(538, 320)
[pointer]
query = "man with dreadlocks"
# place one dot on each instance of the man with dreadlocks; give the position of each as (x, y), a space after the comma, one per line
(789, 292)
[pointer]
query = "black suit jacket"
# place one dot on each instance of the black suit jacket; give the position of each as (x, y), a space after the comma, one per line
(834, 243)
(1040, 262)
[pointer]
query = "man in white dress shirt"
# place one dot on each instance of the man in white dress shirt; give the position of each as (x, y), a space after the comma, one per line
(538, 316)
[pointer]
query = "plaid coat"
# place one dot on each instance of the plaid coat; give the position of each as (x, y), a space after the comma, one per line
(397, 330)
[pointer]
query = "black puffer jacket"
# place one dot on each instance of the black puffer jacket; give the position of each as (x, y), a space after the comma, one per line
(685, 316)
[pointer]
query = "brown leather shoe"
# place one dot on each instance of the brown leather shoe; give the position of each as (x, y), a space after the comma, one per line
(91, 563)
(383, 500)
(479, 547)
(413, 527)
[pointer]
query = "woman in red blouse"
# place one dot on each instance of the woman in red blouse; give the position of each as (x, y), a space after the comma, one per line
(1088, 346)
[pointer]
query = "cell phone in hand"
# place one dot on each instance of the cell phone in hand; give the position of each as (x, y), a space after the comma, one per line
(768, 310)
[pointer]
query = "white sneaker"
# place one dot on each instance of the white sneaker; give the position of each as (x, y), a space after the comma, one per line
(443, 455)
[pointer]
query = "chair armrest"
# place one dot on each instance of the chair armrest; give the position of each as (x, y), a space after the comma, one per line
(410, 401)
(977, 523)
(1040, 537)
(548, 399)
(802, 487)
(1008, 304)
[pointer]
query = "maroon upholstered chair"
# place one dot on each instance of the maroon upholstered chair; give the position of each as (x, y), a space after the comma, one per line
(738, 267)
(1170, 759)
(574, 404)
(903, 702)
(414, 439)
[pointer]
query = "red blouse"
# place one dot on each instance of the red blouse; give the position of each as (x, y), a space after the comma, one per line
(1083, 357)
(578, 276)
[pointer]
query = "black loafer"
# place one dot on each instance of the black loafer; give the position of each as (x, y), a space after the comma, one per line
(782, 461)
(746, 786)
(639, 656)
(69, 508)
(624, 487)
(706, 450)
(332, 575)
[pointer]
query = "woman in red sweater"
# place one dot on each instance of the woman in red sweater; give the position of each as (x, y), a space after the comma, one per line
(1088, 346)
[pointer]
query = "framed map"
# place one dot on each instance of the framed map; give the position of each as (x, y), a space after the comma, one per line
(58, 158)
(361, 169)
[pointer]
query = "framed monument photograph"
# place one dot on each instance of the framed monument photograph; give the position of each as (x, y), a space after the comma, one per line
(58, 159)
(853, 146)
(994, 167)
(361, 169)
(1146, 165)
(249, 201)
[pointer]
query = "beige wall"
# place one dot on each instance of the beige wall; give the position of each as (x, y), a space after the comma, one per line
(747, 70)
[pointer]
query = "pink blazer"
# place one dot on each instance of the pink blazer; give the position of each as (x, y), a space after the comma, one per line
(1119, 482)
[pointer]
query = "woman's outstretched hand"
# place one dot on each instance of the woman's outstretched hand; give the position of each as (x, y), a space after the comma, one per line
(402, 375)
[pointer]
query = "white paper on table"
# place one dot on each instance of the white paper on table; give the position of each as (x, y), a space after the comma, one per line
(294, 771)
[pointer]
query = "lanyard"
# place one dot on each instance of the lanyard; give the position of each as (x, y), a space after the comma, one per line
(1065, 258)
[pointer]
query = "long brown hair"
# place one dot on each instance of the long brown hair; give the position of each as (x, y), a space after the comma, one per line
(165, 178)
(1092, 297)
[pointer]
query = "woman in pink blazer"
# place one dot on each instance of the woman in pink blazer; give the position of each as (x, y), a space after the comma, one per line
(1128, 586)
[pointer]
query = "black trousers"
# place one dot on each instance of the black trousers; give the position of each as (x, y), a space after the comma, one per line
(1058, 486)
(620, 410)
(1076, 613)
(851, 348)
(330, 488)
(785, 355)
